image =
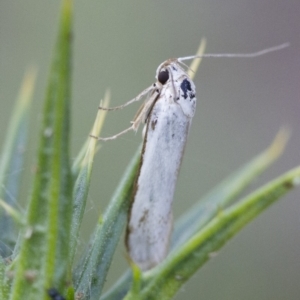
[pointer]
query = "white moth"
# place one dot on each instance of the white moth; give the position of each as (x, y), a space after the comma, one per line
(167, 125)
(167, 112)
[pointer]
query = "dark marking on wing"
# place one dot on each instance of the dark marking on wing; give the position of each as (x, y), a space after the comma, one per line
(129, 229)
(153, 124)
(185, 87)
(143, 217)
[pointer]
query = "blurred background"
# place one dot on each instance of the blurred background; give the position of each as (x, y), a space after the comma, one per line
(241, 105)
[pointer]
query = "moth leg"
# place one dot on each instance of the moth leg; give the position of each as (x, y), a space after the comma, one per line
(137, 98)
(140, 116)
(113, 137)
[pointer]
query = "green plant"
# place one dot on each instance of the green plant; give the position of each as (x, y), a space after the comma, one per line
(44, 249)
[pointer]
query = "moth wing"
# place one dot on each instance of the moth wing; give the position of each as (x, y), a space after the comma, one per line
(150, 221)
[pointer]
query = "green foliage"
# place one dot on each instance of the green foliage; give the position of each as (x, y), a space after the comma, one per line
(43, 255)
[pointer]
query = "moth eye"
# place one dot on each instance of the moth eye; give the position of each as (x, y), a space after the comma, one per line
(163, 76)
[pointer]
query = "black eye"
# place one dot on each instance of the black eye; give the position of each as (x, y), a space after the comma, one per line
(163, 76)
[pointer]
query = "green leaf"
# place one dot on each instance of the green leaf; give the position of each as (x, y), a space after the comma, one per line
(4, 289)
(120, 288)
(82, 169)
(44, 249)
(91, 272)
(10, 211)
(12, 159)
(135, 290)
(165, 280)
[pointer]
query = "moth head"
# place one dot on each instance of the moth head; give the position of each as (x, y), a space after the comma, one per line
(168, 70)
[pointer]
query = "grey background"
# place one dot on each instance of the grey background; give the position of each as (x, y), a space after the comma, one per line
(242, 103)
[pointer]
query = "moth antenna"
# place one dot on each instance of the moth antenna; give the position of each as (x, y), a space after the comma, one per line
(137, 98)
(187, 66)
(244, 55)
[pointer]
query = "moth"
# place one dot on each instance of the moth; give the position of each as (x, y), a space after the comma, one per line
(167, 113)
(168, 116)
